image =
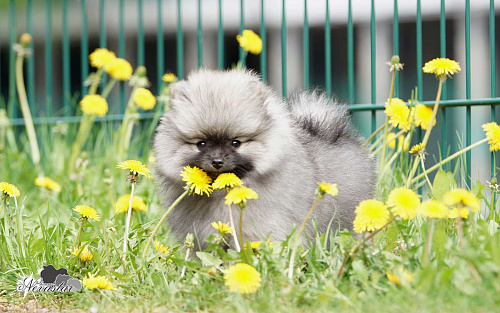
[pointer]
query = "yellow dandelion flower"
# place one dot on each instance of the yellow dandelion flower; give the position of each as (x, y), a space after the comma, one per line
(94, 105)
(455, 213)
(398, 113)
(242, 278)
(119, 69)
(240, 195)
(461, 198)
(48, 183)
(226, 180)
(222, 228)
(401, 142)
(169, 78)
(395, 277)
(403, 202)
(9, 190)
(391, 140)
(144, 99)
(160, 248)
(250, 42)
(101, 57)
(417, 148)
(122, 203)
(85, 254)
(370, 215)
(433, 209)
(87, 212)
(441, 67)
(493, 134)
(197, 180)
(135, 167)
(423, 116)
(99, 282)
(330, 189)
(255, 244)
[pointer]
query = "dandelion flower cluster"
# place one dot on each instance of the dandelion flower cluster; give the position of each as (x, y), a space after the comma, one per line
(122, 204)
(222, 228)
(87, 212)
(433, 209)
(423, 116)
(160, 248)
(370, 215)
(442, 67)
(395, 277)
(84, 254)
(135, 167)
(242, 278)
(326, 188)
(250, 41)
(398, 113)
(493, 134)
(417, 148)
(169, 78)
(99, 282)
(94, 105)
(48, 183)
(403, 202)
(226, 180)
(197, 180)
(456, 212)
(144, 99)
(101, 57)
(9, 190)
(119, 69)
(461, 198)
(240, 195)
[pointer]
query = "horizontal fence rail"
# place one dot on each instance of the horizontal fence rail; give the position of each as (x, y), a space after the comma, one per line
(50, 93)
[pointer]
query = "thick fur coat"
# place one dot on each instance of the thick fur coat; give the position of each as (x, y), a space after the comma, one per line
(230, 121)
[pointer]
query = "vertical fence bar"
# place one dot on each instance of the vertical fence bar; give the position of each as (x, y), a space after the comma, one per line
(328, 52)
(12, 60)
(444, 94)
(65, 61)
(200, 37)
(31, 60)
(84, 50)
(373, 62)
(242, 26)
(396, 43)
(492, 73)
(159, 47)
(48, 58)
(467, 89)
(102, 36)
(121, 48)
(306, 47)
(220, 38)
(263, 55)
(419, 52)
(350, 54)
(283, 49)
(140, 34)
(180, 43)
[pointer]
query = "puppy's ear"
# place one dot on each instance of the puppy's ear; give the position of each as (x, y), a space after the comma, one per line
(178, 91)
(259, 91)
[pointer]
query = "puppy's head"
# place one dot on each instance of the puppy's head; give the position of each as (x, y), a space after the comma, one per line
(222, 121)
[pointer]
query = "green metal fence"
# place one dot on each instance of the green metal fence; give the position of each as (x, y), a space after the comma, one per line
(373, 107)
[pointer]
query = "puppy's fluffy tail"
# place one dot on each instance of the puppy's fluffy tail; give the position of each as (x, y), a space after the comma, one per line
(319, 116)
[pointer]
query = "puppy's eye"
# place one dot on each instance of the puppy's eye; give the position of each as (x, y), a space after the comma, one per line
(236, 143)
(201, 144)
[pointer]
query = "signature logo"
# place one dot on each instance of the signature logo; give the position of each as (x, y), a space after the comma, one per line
(50, 280)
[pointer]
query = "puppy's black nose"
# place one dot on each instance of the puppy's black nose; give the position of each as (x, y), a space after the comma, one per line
(217, 163)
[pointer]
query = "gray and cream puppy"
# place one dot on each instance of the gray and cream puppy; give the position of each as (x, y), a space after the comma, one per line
(230, 121)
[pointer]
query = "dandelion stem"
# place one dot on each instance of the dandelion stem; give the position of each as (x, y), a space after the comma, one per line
(160, 222)
(297, 238)
(107, 89)
(20, 234)
(127, 222)
(426, 177)
(383, 147)
(233, 231)
(185, 260)
(241, 227)
(451, 157)
(379, 139)
(360, 244)
(428, 131)
(78, 234)
(391, 93)
(428, 243)
(381, 128)
(95, 82)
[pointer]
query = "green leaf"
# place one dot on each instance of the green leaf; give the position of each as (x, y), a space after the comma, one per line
(208, 260)
(477, 190)
(443, 182)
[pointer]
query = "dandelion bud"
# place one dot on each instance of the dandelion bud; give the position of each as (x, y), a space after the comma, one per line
(395, 59)
(494, 181)
(141, 71)
(189, 242)
(25, 40)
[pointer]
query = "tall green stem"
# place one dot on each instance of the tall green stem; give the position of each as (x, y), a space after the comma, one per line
(233, 231)
(428, 243)
(107, 89)
(127, 222)
(241, 228)
(391, 93)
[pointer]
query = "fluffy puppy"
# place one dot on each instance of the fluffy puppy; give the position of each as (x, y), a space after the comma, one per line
(230, 121)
